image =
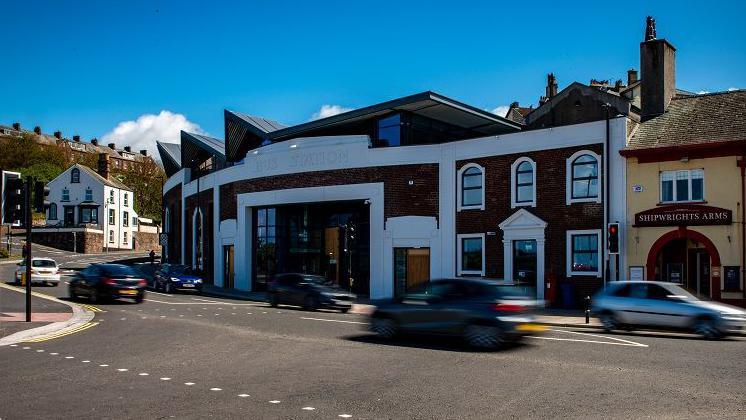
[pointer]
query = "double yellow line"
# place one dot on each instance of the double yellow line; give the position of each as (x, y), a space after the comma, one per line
(63, 333)
(92, 308)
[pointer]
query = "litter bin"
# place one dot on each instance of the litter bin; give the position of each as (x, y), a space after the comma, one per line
(568, 296)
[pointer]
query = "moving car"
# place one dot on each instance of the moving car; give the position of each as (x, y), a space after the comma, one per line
(310, 292)
(108, 281)
(485, 313)
(43, 270)
(173, 277)
(651, 304)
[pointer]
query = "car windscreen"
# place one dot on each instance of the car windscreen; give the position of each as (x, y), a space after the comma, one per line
(118, 270)
(182, 270)
(503, 291)
(680, 292)
(318, 280)
(43, 264)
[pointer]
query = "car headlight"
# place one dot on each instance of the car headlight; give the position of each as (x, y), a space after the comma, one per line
(175, 279)
(198, 281)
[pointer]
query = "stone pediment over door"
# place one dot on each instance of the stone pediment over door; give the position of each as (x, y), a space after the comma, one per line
(523, 219)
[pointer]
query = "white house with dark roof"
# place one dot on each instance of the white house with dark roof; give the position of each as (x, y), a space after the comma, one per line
(82, 197)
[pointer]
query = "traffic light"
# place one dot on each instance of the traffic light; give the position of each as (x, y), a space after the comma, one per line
(13, 203)
(613, 238)
(41, 193)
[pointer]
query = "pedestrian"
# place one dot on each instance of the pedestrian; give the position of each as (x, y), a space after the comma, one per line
(23, 250)
(152, 257)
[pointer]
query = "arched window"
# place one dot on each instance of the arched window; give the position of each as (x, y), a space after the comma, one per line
(167, 220)
(53, 211)
(523, 181)
(471, 187)
(75, 176)
(198, 241)
(583, 178)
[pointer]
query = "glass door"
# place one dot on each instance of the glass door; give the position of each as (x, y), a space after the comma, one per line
(524, 263)
(411, 269)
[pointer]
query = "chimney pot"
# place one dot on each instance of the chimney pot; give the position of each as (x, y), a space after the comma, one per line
(17, 126)
(37, 130)
(104, 163)
(650, 29)
(58, 135)
(128, 149)
(551, 90)
(94, 141)
(112, 146)
(76, 138)
(631, 76)
(144, 152)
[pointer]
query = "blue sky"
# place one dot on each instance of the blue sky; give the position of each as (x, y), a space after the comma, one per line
(83, 67)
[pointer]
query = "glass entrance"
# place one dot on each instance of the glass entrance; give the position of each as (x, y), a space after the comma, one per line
(524, 263)
(411, 269)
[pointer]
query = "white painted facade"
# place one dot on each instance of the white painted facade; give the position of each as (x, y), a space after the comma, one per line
(63, 192)
(340, 152)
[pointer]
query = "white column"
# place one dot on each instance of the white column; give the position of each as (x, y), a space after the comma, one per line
(243, 251)
(540, 268)
(508, 259)
(217, 251)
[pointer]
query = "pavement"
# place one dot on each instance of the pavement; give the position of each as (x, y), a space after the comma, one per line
(194, 356)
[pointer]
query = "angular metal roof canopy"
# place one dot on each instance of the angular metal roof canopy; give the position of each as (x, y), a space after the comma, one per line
(196, 148)
(245, 132)
(170, 156)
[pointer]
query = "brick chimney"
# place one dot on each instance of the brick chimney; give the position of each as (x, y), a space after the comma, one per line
(94, 141)
(37, 130)
(551, 90)
(58, 135)
(17, 126)
(104, 162)
(144, 152)
(658, 73)
(112, 146)
(128, 149)
(631, 77)
(76, 138)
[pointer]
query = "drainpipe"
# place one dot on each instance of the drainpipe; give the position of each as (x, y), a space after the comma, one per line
(606, 195)
(742, 164)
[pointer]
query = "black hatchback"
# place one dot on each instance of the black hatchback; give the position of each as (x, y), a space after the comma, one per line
(485, 313)
(108, 281)
(310, 292)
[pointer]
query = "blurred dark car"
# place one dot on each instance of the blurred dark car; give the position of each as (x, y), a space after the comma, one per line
(310, 292)
(661, 305)
(108, 281)
(486, 314)
(173, 277)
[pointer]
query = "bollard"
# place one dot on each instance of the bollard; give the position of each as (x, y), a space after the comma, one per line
(587, 309)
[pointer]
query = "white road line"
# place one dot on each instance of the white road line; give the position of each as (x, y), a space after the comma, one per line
(53, 354)
(619, 341)
(199, 303)
(40, 351)
(275, 402)
(159, 293)
(69, 357)
(244, 395)
(206, 300)
(143, 374)
(216, 389)
(104, 365)
(334, 320)
(165, 379)
(188, 383)
(308, 408)
(344, 416)
(86, 361)
(123, 370)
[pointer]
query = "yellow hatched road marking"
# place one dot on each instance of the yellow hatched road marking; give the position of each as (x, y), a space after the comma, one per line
(83, 327)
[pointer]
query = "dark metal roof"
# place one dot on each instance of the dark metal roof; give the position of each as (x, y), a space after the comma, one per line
(196, 148)
(428, 104)
(170, 156)
(262, 124)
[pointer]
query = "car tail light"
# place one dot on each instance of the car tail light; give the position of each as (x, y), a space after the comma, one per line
(110, 282)
(507, 307)
(142, 282)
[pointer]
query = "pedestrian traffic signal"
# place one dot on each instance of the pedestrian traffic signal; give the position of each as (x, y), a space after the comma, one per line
(613, 238)
(41, 193)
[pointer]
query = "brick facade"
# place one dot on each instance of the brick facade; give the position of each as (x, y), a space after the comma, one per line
(83, 242)
(400, 198)
(172, 201)
(551, 207)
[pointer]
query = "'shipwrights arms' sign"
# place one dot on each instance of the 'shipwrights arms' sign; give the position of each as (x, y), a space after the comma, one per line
(684, 215)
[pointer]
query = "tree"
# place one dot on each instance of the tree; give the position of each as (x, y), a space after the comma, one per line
(147, 184)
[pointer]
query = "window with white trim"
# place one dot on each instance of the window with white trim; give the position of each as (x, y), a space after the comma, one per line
(88, 194)
(523, 183)
(125, 219)
(112, 219)
(471, 256)
(111, 236)
(125, 238)
(126, 200)
(471, 187)
(75, 176)
(65, 194)
(584, 252)
(111, 196)
(682, 186)
(583, 177)
(53, 211)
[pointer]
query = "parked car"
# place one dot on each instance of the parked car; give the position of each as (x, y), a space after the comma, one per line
(661, 305)
(43, 270)
(108, 281)
(485, 313)
(310, 292)
(173, 277)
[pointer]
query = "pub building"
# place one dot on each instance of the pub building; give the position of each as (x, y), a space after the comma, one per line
(685, 182)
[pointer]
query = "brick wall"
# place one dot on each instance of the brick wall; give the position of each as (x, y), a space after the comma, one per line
(400, 198)
(83, 242)
(172, 200)
(145, 241)
(551, 207)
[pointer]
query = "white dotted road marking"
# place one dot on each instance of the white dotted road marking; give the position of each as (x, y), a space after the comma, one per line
(181, 315)
(53, 354)
(274, 402)
(244, 395)
(308, 408)
(123, 370)
(199, 314)
(188, 383)
(123, 319)
(332, 320)
(40, 351)
(216, 389)
(86, 361)
(163, 316)
(217, 314)
(344, 416)
(165, 379)
(26, 348)
(143, 374)
(104, 365)
(69, 357)
(233, 313)
(14, 345)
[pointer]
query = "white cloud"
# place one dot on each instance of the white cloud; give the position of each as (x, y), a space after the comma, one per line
(703, 92)
(147, 128)
(501, 110)
(731, 89)
(328, 111)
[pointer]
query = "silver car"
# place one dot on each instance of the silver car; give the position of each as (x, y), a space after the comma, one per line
(651, 304)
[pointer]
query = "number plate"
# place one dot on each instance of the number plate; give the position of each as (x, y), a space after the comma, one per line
(187, 285)
(128, 292)
(530, 327)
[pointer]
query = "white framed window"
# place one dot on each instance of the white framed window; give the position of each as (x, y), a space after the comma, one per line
(112, 219)
(583, 172)
(471, 255)
(53, 211)
(126, 199)
(111, 236)
(124, 238)
(65, 194)
(523, 183)
(111, 196)
(125, 219)
(75, 176)
(682, 186)
(88, 194)
(471, 187)
(584, 252)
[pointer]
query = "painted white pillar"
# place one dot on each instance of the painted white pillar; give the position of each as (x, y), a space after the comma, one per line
(540, 260)
(217, 251)
(508, 260)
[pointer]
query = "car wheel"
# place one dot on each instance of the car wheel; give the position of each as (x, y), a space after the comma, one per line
(94, 297)
(73, 295)
(608, 321)
(344, 310)
(55, 284)
(274, 300)
(310, 303)
(384, 327)
(168, 288)
(484, 336)
(139, 298)
(707, 328)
